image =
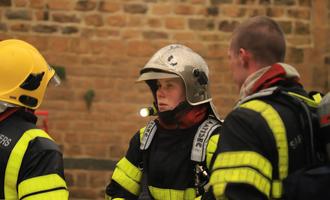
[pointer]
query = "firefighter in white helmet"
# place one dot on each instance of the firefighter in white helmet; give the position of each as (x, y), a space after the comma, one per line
(31, 163)
(174, 151)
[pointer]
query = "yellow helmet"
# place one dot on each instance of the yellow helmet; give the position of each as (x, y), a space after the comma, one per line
(24, 74)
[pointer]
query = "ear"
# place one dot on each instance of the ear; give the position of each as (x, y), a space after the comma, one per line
(245, 56)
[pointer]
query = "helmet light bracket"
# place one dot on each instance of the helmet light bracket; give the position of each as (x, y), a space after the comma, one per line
(201, 76)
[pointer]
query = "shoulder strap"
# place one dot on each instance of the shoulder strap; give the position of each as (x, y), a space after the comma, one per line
(147, 134)
(201, 139)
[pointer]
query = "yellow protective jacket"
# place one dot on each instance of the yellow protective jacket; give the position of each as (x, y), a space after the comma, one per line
(167, 163)
(31, 165)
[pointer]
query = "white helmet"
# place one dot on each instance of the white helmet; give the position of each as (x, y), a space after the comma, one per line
(177, 60)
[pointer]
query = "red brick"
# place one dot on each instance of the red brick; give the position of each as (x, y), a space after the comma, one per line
(61, 5)
(37, 3)
(203, 2)
(84, 193)
(97, 179)
(40, 42)
(217, 51)
(72, 150)
(94, 20)
(136, 21)
(161, 9)
(131, 34)
(86, 5)
(140, 48)
(111, 7)
(104, 33)
(232, 11)
(300, 14)
(71, 138)
(114, 47)
(82, 179)
(20, 27)
(175, 23)
(65, 17)
(40, 15)
(116, 20)
(184, 36)
(20, 3)
(59, 44)
(135, 8)
(96, 151)
(155, 22)
(275, 12)
(184, 9)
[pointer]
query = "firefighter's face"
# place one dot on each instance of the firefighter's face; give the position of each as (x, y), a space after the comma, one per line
(170, 92)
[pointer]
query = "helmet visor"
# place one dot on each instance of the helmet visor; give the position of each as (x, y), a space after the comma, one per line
(55, 80)
(152, 75)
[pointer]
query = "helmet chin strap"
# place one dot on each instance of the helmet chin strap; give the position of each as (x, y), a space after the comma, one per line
(171, 116)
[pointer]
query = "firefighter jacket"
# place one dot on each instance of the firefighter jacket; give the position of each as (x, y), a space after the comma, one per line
(262, 139)
(166, 164)
(31, 165)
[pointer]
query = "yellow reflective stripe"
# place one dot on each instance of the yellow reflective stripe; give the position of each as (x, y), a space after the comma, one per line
(277, 189)
(41, 183)
(55, 195)
(131, 170)
(198, 198)
(310, 102)
(277, 127)
(126, 182)
(141, 132)
(317, 98)
(165, 194)
(210, 149)
(128, 176)
(244, 158)
(110, 198)
(246, 175)
(15, 161)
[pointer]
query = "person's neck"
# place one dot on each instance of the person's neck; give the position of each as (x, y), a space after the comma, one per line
(187, 119)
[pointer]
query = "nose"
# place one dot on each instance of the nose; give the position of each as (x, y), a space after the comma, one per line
(160, 93)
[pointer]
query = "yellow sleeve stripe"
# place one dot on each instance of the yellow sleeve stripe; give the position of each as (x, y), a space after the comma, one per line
(246, 175)
(126, 182)
(163, 194)
(110, 198)
(56, 194)
(276, 125)
(210, 149)
(130, 170)
(128, 176)
(244, 158)
(15, 161)
(42, 184)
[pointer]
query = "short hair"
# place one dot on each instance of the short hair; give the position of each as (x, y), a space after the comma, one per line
(263, 37)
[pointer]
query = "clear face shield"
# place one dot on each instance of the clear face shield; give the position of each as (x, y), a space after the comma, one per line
(55, 80)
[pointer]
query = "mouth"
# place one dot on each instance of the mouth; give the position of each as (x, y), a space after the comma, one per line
(162, 106)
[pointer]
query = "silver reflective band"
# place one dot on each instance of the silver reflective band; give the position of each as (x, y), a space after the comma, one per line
(55, 80)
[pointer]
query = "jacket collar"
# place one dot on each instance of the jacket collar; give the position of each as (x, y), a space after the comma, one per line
(267, 77)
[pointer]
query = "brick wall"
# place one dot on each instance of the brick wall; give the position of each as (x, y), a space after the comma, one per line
(102, 44)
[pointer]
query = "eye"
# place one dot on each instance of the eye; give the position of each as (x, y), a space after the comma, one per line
(169, 85)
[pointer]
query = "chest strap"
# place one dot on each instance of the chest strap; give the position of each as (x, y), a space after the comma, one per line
(201, 139)
(202, 136)
(147, 134)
